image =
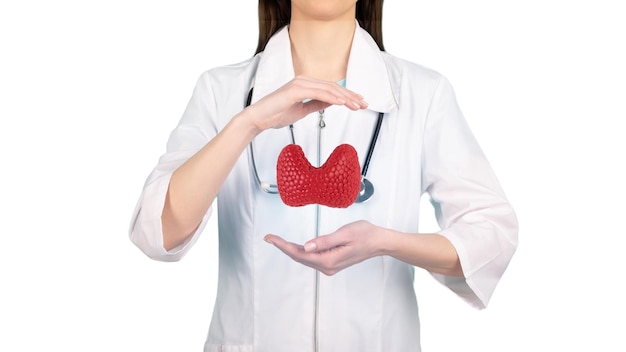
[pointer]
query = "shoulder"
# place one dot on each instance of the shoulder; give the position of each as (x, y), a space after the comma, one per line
(221, 91)
(233, 75)
(415, 83)
(411, 72)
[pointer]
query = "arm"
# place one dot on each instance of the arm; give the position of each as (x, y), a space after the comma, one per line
(195, 184)
(429, 251)
(478, 233)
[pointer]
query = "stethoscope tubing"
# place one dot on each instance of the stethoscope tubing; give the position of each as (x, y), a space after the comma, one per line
(366, 184)
(373, 140)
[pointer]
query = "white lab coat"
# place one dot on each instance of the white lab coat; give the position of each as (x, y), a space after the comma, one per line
(268, 302)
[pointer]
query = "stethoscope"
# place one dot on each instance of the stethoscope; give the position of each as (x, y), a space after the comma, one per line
(367, 188)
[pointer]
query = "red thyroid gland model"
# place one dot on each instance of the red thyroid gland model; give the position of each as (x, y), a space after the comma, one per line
(335, 184)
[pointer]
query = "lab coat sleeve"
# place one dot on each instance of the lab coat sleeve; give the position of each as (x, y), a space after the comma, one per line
(470, 206)
(193, 131)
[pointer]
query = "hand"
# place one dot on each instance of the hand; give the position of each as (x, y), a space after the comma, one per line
(285, 105)
(351, 244)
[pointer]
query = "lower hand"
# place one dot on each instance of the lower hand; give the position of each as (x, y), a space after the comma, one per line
(351, 244)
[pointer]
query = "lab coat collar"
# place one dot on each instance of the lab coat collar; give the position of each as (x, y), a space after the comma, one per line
(367, 72)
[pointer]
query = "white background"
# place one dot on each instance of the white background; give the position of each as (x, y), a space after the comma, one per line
(89, 92)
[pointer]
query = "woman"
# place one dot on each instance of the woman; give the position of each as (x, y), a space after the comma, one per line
(272, 297)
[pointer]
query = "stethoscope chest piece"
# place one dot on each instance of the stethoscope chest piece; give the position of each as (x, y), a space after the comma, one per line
(366, 191)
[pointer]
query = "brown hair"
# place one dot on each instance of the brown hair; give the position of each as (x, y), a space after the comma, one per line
(275, 14)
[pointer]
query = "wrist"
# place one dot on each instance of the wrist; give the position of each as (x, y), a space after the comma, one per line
(383, 241)
(246, 123)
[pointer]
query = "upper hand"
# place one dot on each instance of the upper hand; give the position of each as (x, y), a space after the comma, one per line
(351, 244)
(285, 105)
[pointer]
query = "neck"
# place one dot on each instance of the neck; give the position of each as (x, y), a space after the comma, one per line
(320, 49)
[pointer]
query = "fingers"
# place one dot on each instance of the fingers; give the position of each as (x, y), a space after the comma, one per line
(289, 248)
(325, 243)
(327, 92)
(312, 106)
(298, 98)
(333, 252)
(328, 262)
(324, 263)
(319, 244)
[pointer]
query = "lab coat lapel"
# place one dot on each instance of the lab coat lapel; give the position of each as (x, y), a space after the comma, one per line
(367, 73)
(275, 66)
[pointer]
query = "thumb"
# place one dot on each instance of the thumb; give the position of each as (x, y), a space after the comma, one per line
(324, 243)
